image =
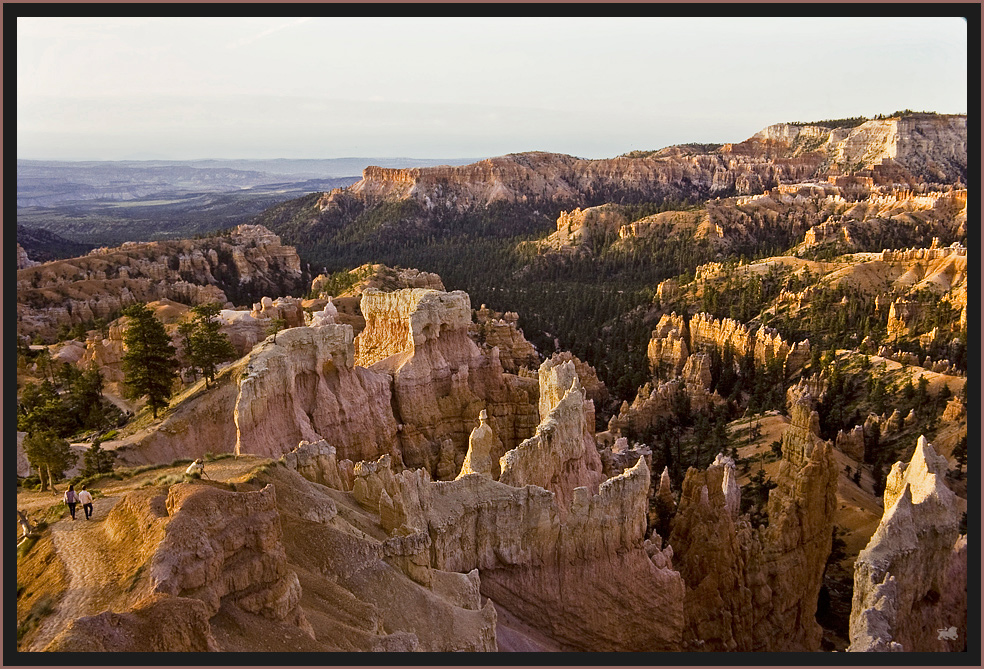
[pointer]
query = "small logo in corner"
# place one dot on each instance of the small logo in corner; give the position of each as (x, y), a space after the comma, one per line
(949, 633)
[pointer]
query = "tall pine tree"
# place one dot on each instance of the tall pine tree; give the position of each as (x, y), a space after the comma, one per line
(208, 346)
(149, 363)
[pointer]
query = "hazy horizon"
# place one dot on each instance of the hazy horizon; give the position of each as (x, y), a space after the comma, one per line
(460, 88)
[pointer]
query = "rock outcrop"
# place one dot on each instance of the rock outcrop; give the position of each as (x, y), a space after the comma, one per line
(306, 386)
(710, 548)
(675, 341)
(225, 547)
(922, 147)
(23, 262)
(580, 571)
(156, 624)
(441, 379)
(797, 540)
(654, 402)
(248, 261)
(481, 444)
(501, 331)
(669, 346)
(851, 443)
(910, 581)
(580, 227)
(586, 581)
(561, 455)
(376, 277)
(755, 589)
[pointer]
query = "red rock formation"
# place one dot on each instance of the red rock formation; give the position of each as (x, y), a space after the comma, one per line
(499, 330)
(587, 581)
(561, 455)
(710, 548)
(755, 589)
(797, 540)
(100, 284)
(441, 379)
(668, 347)
(306, 386)
(226, 548)
(157, 624)
(560, 178)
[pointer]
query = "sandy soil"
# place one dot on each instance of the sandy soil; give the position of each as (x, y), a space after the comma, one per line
(80, 544)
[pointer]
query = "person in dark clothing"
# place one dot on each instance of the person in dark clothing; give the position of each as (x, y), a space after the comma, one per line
(71, 499)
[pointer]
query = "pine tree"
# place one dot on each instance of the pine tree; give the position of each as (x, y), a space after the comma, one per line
(208, 345)
(149, 363)
(49, 454)
(96, 460)
(278, 324)
(85, 397)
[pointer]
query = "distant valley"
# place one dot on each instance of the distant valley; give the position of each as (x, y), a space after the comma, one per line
(110, 202)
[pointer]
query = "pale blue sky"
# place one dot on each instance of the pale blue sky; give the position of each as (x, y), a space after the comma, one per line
(437, 87)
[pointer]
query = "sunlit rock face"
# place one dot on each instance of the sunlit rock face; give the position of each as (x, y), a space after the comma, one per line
(586, 580)
(910, 581)
(561, 455)
(305, 386)
(555, 545)
(441, 379)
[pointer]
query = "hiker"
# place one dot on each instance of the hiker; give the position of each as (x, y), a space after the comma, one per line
(86, 498)
(71, 499)
(195, 469)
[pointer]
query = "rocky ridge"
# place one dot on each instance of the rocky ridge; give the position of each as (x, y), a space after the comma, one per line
(755, 588)
(910, 581)
(927, 147)
(99, 285)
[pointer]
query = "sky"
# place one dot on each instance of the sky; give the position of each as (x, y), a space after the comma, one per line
(442, 87)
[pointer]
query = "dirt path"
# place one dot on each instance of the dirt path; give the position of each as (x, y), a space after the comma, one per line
(94, 585)
(79, 545)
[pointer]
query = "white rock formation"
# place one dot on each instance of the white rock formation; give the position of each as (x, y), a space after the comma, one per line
(481, 444)
(910, 581)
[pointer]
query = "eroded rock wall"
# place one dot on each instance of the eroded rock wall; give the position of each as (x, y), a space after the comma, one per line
(441, 379)
(225, 547)
(307, 387)
(586, 581)
(560, 552)
(98, 285)
(561, 455)
(756, 588)
(910, 581)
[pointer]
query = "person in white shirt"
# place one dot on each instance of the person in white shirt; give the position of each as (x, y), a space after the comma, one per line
(86, 498)
(195, 469)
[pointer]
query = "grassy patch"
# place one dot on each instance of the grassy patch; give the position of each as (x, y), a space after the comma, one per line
(168, 479)
(24, 547)
(135, 578)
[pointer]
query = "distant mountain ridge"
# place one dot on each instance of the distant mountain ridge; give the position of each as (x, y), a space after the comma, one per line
(44, 183)
(523, 193)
